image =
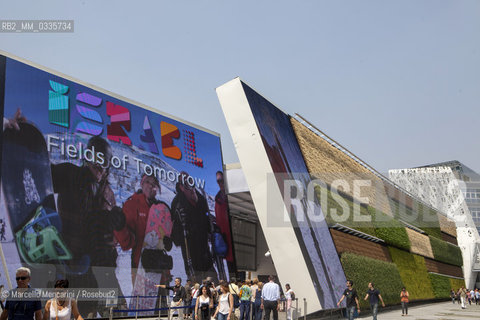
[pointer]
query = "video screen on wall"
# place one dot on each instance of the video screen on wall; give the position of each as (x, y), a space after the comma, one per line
(287, 163)
(105, 193)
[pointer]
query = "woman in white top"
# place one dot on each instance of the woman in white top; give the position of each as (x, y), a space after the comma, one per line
(204, 304)
(61, 308)
(288, 296)
(225, 303)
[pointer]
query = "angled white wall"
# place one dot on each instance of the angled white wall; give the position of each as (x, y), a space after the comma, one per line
(304, 256)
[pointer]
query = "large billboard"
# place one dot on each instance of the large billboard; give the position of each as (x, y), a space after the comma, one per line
(105, 192)
(272, 162)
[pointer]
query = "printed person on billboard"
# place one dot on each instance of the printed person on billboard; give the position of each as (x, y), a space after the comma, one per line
(85, 198)
(222, 219)
(192, 229)
(147, 232)
(85, 202)
(133, 233)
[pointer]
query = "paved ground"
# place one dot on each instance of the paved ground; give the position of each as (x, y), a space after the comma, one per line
(436, 311)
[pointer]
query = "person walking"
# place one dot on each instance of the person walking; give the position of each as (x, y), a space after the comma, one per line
(471, 297)
(195, 293)
(188, 299)
(234, 291)
(289, 296)
(477, 296)
(462, 293)
(270, 298)
(253, 287)
(225, 304)
(404, 300)
(245, 296)
(60, 308)
(18, 308)
(258, 302)
(352, 300)
(204, 304)
(452, 295)
(374, 296)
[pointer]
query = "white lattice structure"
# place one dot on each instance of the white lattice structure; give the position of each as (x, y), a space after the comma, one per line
(440, 188)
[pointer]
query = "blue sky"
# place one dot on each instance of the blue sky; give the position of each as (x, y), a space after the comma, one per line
(396, 82)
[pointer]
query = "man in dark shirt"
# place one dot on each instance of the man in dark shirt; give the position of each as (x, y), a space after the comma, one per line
(85, 198)
(374, 296)
(191, 229)
(17, 308)
(179, 296)
(352, 300)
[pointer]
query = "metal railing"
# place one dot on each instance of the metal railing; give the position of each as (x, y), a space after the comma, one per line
(137, 309)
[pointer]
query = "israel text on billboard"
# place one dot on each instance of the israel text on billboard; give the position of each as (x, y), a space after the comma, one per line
(106, 193)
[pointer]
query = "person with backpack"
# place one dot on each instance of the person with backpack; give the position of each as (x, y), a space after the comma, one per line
(233, 288)
(225, 304)
(289, 296)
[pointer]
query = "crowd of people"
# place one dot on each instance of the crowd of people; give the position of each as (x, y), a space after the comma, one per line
(464, 296)
(243, 300)
(252, 300)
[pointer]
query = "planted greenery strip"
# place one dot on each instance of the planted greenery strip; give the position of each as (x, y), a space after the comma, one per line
(363, 270)
(414, 274)
(456, 284)
(446, 252)
(421, 217)
(441, 285)
(390, 230)
(338, 208)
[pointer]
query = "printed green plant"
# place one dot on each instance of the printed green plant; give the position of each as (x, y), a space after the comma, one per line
(428, 220)
(441, 285)
(421, 217)
(384, 275)
(414, 274)
(390, 230)
(334, 204)
(446, 252)
(456, 284)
